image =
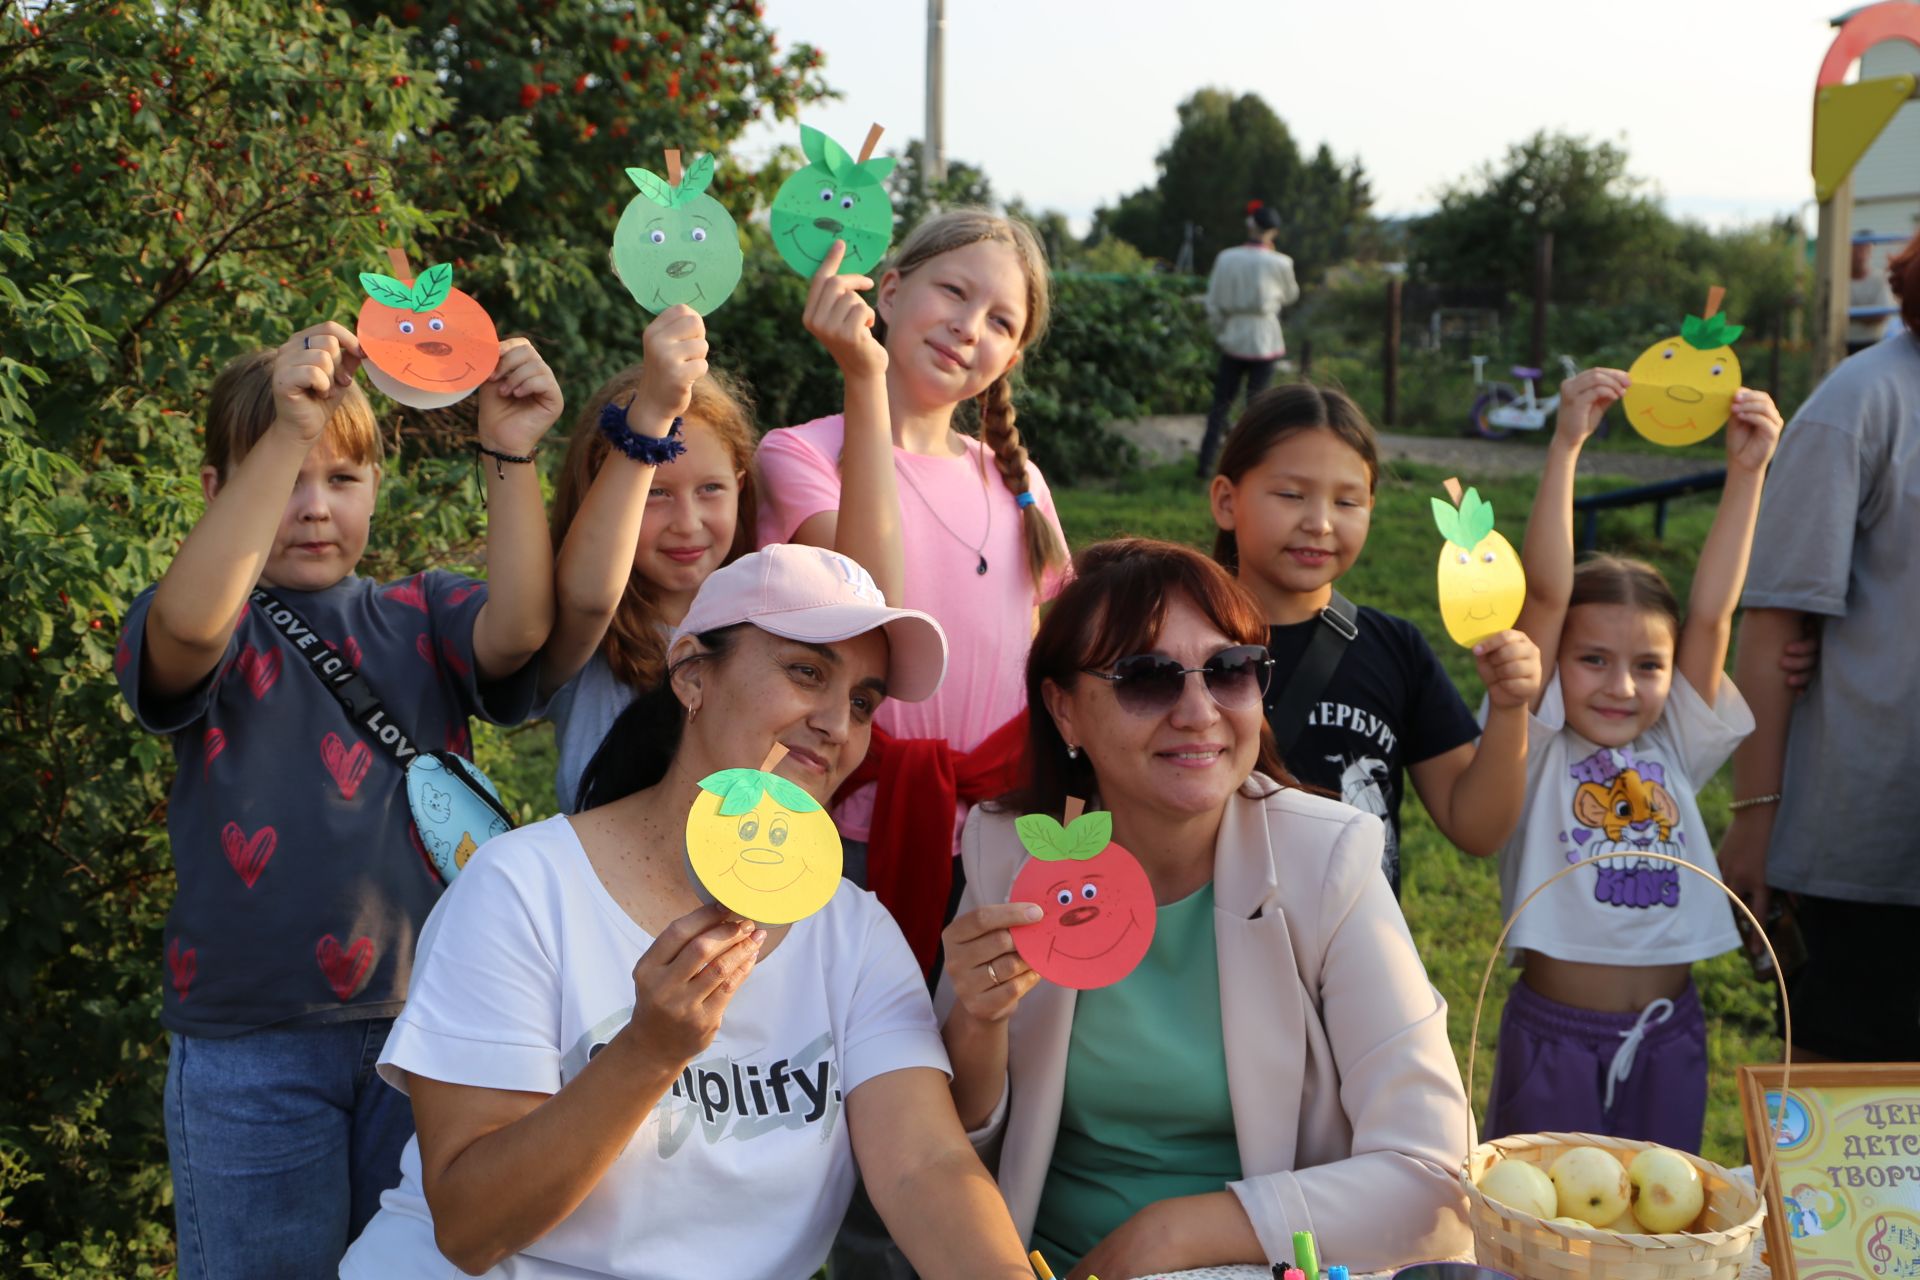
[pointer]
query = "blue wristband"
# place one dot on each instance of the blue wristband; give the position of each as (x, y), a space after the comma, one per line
(654, 451)
(1026, 500)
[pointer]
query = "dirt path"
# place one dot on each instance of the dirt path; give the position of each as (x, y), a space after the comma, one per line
(1169, 439)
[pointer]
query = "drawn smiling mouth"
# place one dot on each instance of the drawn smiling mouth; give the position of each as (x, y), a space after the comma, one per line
(458, 377)
(768, 860)
(660, 295)
(793, 234)
(1055, 948)
(1667, 426)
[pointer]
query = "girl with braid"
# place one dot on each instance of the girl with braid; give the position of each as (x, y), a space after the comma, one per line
(976, 542)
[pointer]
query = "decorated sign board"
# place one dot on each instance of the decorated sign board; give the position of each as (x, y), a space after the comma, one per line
(1846, 1202)
(1100, 912)
(761, 846)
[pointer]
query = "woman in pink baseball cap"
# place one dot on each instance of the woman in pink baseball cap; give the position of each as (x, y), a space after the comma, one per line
(610, 1077)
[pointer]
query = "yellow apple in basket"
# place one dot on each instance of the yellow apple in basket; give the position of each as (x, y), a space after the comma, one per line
(1519, 1185)
(1591, 1185)
(1667, 1192)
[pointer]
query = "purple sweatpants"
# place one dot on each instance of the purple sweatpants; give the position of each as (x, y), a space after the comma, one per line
(1554, 1064)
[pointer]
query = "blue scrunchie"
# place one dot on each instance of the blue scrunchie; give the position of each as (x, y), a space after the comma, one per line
(1026, 500)
(654, 451)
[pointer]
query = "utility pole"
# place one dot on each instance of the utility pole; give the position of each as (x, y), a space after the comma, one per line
(933, 158)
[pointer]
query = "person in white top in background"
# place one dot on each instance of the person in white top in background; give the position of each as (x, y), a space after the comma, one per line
(1868, 288)
(1249, 285)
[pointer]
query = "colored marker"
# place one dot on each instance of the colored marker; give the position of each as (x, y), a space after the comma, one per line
(1336, 1273)
(1040, 1267)
(1305, 1256)
(1295, 1273)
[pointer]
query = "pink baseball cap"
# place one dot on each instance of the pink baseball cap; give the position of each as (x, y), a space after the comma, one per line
(819, 596)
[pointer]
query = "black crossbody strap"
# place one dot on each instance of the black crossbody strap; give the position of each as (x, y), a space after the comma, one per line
(1338, 626)
(341, 678)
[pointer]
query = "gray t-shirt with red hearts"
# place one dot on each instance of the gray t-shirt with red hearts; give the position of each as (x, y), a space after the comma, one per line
(302, 883)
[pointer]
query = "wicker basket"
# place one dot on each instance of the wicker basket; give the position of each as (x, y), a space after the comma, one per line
(1511, 1240)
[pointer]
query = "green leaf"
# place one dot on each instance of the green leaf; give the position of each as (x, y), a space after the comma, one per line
(1042, 836)
(1476, 519)
(1448, 519)
(813, 143)
(838, 162)
(789, 795)
(1089, 834)
(694, 179)
(386, 289)
(743, 796)
(433, 286)
(1711, 333)
(879, 167)
(652, 186)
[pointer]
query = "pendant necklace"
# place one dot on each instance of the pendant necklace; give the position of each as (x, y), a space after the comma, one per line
(979, 552)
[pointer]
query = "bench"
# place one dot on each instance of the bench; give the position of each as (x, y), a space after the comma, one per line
(1659, 494)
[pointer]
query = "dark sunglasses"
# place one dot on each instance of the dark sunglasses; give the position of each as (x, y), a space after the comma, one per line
(1150, 684)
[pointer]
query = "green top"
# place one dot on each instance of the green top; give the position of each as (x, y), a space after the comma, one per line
(1146, 1115)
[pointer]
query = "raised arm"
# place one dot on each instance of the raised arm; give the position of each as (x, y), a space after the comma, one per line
(1753, 433)
(200, 597)
(867, 526)
(1547, 555)
(517, 406)
(596, 556)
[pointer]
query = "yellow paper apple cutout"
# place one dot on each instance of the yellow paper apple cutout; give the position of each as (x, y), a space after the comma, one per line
(1683, 386)
(763, 847)
(1481, 583)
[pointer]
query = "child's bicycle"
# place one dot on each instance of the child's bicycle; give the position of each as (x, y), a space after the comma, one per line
(1499, 410)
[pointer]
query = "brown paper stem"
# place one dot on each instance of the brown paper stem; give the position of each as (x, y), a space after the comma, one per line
(1713, 301)
(1452, 486)
(398, 257)
(1075, 807)
(777, 754)
(873, 140)
(673, 166)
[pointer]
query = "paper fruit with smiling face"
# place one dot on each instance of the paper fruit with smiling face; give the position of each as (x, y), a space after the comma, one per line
(1482, 585)
(835, 197)
(1683, 386)
(762, 846)
(677, 244)
(1098, 902)
(427, 344)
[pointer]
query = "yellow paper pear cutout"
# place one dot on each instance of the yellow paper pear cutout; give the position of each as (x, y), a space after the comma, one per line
(1482, 585)
(763, 847)
(1683, 386)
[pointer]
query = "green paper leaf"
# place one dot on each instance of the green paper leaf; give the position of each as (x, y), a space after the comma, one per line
(694, 179)
(652, 186)
(385, 289)
(741, 790)
(433, 286)
(1041, 836)
(879, 167)
(1476, 519)
(1089, 834)
(1445, 516)
(840, 164)
(1710, 334)
(789, 795)
(813, 144)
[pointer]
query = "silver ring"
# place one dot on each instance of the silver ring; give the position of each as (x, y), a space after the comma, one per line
(992, 974)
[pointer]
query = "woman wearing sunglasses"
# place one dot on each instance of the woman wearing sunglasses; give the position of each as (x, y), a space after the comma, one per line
(1279, 1060)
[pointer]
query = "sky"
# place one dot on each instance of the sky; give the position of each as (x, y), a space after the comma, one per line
(1065, 103)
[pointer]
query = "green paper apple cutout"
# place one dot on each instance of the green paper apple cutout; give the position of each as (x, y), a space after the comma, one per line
(677, 244)
(835, 197)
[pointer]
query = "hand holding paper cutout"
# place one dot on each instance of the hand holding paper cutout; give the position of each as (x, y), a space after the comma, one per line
(1683, 386)
(840, 318)
(520, 402)
(675, 243)
(1098, 904)
(674, 357)
(1482, 585)
(427, 344)
(762, 846)
(1753, 432)
(834, 197)
(311, 371)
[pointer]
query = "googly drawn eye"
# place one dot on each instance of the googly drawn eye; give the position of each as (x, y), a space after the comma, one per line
(846, 202)
(826, 195)
(1667, 354)
(406, 326)
(698, 234)
(1488, 557)
(749, 827)
(1716, 370)
(1088, 892)
(436, 324)
(657, 236)
(1065, 897)
(1464, 557)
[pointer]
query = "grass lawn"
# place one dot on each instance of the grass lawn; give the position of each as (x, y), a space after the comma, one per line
(1452, 901)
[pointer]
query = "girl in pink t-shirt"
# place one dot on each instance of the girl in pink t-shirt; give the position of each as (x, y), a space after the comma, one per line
(977, 544)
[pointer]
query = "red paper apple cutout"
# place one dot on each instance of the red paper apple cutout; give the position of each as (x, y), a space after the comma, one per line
(1099, 905)
(427, 344)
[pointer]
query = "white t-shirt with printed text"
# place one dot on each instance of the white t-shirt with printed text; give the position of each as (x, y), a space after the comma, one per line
(1603, 808)
(524, 972)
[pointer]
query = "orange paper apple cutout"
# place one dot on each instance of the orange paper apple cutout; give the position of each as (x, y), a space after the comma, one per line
(427, 344)
(1098, 902)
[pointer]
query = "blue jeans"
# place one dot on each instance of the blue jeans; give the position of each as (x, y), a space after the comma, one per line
(281, 1141)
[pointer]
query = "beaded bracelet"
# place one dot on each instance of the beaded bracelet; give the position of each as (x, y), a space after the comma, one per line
(1772, 797)
(498, 458)
(654, 451)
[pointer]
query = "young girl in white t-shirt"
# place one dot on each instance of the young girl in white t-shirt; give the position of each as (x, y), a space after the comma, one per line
(976, 541)
(1603, 1032)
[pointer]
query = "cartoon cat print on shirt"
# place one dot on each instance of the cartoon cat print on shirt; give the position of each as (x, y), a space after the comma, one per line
(1360, 787)
(1623, 810)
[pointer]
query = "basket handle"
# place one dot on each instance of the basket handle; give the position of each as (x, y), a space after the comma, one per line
(1766, 1171)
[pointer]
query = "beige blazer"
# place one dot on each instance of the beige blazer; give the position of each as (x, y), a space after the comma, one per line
(1347, 1104)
